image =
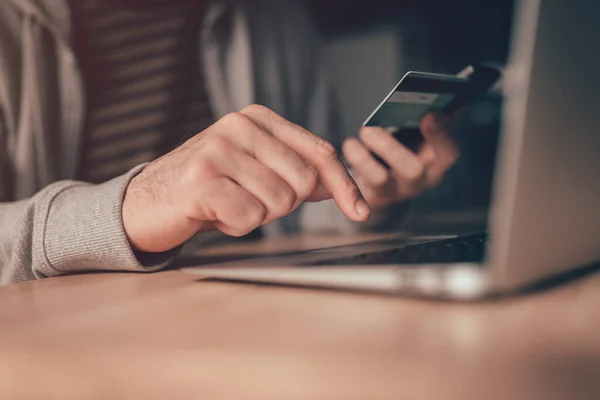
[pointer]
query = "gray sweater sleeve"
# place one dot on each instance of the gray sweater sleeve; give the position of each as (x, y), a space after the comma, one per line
(69, 227)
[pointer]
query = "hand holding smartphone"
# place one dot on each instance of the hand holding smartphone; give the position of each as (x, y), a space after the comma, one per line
(389, 172)
(418, 93)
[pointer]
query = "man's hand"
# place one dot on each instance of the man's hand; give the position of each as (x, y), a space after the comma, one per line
(246, 170)
(409, 173)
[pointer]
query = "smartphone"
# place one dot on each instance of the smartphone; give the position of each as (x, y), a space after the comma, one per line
(418, 93)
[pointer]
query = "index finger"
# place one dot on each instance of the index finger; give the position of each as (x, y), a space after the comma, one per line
(333, 175)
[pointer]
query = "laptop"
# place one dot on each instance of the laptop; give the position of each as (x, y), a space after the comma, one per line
(544, 218)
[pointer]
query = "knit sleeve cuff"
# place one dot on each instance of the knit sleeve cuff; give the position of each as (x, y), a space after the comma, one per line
(84, 231)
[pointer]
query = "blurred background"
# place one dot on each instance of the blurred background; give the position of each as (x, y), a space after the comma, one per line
(127, 50)
(374, 43)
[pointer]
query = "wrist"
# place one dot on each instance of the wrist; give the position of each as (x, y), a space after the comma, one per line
(151, 223)
(128, 216)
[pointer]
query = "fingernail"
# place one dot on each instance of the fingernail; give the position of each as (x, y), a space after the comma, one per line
(362, 208)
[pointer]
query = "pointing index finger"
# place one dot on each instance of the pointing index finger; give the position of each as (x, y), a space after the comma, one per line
(318, 152)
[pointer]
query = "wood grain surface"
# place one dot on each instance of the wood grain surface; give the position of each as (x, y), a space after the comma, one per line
(169, 335)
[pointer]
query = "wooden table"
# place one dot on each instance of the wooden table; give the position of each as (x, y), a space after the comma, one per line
(170, 335)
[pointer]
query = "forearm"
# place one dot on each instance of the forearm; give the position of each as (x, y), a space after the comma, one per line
(68, 227)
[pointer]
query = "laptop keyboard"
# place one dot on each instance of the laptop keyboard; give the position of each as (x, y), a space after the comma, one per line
(461, 249)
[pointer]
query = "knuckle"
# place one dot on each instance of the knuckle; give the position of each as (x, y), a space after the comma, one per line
(326, 149)
(263, 115)
(309, 181)
(284, 202)
(353, 191)
(198, 170)
(235, 120)
(239, 126)
(252, 218)
(415, 173)
(218, 145)
(351, 188)
(256, 109)
(255, 216)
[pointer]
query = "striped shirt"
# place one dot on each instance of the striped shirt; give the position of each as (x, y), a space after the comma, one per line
(142, 74)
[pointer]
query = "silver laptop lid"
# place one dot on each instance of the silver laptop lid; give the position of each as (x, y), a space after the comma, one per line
(546, 211)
